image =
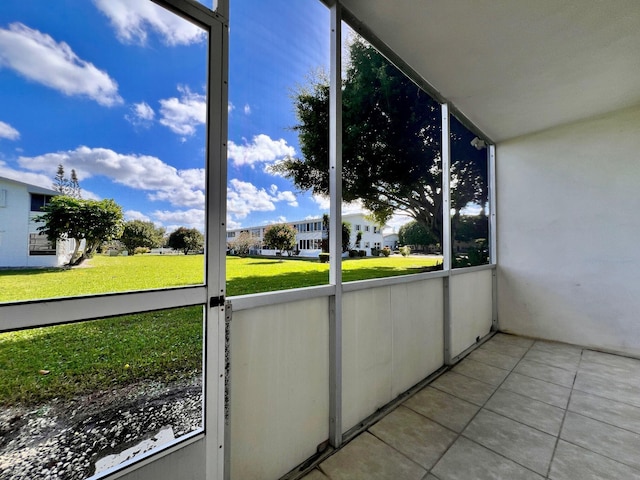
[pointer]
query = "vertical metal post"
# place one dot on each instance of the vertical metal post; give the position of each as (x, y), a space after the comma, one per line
(335, 232)
(446, 227)
(493, 234)
(493, 246)
(216, 182)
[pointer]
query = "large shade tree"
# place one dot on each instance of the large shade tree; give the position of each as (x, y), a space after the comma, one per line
(138, 233)
(391, 144)
(186, 239)
(280, 236)
(94, 221)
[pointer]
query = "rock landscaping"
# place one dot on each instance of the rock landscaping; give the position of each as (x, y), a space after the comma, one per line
(73, 440)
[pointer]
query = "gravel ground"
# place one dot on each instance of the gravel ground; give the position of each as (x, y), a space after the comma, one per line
(63, 441)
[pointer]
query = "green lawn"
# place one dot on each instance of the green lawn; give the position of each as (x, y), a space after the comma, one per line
(65, 360)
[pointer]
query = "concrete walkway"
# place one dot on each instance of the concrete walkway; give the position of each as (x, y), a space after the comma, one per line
(513, 409)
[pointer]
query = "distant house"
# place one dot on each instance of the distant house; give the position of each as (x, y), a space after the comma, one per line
(391, 240)
(309, 235)
(21, 245)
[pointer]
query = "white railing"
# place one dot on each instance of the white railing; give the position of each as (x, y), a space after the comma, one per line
(393, 337)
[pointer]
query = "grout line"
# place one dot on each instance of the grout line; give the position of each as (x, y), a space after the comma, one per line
(566, 409)
(459, 434)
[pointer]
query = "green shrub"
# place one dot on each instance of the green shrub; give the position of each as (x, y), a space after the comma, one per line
(140, 250)
(324, 258)
(362, 253)
(353, 253)
(405, 251)
(386, 251)
(375, 252)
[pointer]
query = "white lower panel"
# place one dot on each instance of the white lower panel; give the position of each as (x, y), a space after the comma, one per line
(471, 308)
(187, 463)
(392, 339)
(279, 387)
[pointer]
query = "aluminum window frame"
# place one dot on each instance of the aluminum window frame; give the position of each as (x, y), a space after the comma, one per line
(22, 315)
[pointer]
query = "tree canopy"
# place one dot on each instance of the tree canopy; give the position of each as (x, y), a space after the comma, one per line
(90, 220)
(413, 233)
(186, 239)
(138, 233)
(243, 243)
(391, 138)
(280, 236)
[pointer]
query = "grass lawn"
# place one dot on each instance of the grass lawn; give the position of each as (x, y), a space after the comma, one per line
(65, 360)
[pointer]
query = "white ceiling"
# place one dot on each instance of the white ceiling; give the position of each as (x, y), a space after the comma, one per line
(514, 67)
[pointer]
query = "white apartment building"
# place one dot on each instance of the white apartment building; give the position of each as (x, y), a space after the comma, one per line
(21, 244)
(310, 233)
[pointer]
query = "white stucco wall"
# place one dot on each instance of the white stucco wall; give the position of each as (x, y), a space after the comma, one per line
(16, 223)
(569, 233)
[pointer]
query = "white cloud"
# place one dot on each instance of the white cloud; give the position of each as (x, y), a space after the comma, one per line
(230, 107)
(232, 224)
(141, 115)
(38, 57)
(7, 131)
(182, 115)
(262, 149)
(247, 109)
(141, 172)
(244, 198)
(135, 215)
(133, 19)
(396, 221)
(322, 201)
(41, 180)
(280, 219)
(352, 207)
(192, 218)
(347, 208)
(285, 196)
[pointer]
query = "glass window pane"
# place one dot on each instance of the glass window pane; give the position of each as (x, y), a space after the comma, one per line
(469, 197)
(392, 169)
(274, 236)
(80, 398)
(113, 114)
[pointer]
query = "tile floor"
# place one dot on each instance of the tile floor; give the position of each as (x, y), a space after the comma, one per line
(513, 409)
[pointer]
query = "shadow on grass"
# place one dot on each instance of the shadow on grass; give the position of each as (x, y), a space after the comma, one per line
(287, 281)
(12, 272)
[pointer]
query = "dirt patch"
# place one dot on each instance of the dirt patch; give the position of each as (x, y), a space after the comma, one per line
(64, 440)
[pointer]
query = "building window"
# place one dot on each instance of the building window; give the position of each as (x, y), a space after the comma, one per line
(38, 201)
(358, 228)
(375, 229)
(366, 228)
(39, 245)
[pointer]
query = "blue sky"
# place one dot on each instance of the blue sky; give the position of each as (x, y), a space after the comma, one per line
(115, 89)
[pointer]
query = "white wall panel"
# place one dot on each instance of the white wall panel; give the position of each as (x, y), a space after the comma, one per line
(366, 358)
(392, 339)
(417, 316)
(471, 308)
(187, 463)
(568, 233)
(279, 387)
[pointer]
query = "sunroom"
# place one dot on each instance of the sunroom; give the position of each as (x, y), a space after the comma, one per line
(540, 99)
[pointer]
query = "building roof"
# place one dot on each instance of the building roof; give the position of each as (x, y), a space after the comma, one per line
(31, 188)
